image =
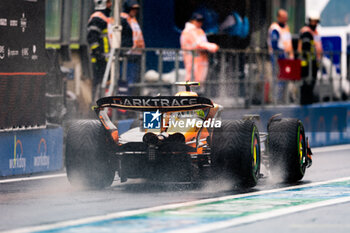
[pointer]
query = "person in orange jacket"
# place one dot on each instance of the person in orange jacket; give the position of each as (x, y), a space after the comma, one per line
(131, 8)
(193, 38)
(132, 37)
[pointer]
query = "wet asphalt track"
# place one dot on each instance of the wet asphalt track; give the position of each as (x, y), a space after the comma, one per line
(46, 201)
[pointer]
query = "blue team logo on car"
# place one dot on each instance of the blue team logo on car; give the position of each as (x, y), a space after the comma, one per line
(151, 120)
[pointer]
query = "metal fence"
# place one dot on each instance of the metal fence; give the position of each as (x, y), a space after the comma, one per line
(237, 79)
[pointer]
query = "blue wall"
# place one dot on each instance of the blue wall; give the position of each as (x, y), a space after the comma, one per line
(159, 24)
(31, 151)
(325, 124)
(159, 30)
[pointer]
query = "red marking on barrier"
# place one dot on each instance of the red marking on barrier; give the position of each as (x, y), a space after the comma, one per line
(307, 124)
(335, 123)
(321, 123)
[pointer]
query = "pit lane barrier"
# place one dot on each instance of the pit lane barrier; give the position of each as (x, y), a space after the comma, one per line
(325, 124)
(31, 151)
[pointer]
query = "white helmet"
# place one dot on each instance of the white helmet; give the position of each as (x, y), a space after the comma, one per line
(100, 4)
(313, 15)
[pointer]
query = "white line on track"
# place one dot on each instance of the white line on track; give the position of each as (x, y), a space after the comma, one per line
(330, 148)
(262, 216)
(32, 178)
(206, 227)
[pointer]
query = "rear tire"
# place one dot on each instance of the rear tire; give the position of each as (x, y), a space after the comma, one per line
(287, 149)
(88, 155)
(236, 151)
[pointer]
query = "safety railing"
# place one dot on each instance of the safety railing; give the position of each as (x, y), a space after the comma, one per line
(237, 79)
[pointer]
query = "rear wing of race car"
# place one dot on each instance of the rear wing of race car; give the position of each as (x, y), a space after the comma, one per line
(149, 103)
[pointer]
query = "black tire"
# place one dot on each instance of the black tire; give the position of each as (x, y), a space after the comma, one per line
(236, 151)
(287, 149)
(89, 155)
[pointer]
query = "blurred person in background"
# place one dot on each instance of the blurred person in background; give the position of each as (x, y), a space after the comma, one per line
(193, 38)
(310, 48)
(98, 39)
(279, 43)
(132, 37)
(280, 39)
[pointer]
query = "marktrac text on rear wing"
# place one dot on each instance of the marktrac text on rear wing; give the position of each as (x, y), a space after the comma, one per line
(150, 103)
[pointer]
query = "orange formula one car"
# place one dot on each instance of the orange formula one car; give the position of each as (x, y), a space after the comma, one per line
(182, 139)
